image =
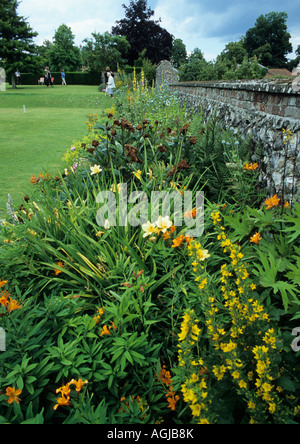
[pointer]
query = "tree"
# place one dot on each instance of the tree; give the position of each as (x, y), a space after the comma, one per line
(104, 50)
(178, 53)
(270, 40)
(233, 53)
(16, 40)
(144, 33)
(63, 52)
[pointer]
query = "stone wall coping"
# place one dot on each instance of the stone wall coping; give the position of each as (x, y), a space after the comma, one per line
(276, 87)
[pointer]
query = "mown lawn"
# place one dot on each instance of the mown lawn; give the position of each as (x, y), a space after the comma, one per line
(35, 141)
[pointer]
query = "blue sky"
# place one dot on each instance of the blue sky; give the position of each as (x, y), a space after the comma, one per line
(208, 25)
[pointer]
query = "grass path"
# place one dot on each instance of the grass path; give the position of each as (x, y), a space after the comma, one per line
(35, 141)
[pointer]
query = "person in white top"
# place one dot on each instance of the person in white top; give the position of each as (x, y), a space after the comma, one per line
(110, 85)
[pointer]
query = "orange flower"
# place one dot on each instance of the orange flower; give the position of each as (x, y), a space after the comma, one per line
(107, 330)
(165, 376)
(286, 205)
(256, 238)
(191, 214)
(64, 400)
(178, 241)
(272, 202)
(13, 305)
(78, 384)
(166, 235)
(4, 299)
(60, 264)
(13, 395)
(2, 283)
(34, 180)
(172, 400)
(189, 240)
(251, 167)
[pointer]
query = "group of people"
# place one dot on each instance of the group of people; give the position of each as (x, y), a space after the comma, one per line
(48, 80)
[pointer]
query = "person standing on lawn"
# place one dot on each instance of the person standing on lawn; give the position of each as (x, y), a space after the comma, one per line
(18, 77)
(48, 77)
(63, 78)
(110, 85)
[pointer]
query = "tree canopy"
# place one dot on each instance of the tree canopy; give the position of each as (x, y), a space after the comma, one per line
(104, 50)
(16, 40)
(63, 52)
(269, 40)
(143, 33)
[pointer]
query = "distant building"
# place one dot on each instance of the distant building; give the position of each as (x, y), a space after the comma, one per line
(278, 72)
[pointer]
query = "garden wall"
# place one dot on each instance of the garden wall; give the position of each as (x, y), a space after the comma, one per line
(259, 108)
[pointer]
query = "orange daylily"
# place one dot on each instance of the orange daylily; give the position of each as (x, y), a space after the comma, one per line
(13, 395)
(78, 384)
(2, 283)
(256, 238)
(272, 202)
(178, 241)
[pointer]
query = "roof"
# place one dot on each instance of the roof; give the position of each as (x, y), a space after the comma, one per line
(278, 72)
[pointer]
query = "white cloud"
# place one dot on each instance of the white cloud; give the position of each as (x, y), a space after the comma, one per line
(82, 17)
(206, 25)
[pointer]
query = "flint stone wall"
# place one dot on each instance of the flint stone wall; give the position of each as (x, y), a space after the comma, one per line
(262, 109)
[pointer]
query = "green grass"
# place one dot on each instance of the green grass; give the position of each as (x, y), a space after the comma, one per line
(35, 141)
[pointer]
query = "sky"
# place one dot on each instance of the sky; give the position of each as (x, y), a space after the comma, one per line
(205, 24)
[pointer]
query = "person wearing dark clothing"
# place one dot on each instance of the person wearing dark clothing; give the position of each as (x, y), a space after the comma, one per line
(48, 77)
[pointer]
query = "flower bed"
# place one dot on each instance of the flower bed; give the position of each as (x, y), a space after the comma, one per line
(114, 317)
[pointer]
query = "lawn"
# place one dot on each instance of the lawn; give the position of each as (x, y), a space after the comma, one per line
(35, 141)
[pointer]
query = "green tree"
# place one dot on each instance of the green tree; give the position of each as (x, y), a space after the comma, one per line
(104, 50)
(197, 68)
(234, 52)
(17, 49)
(270, 39)
(178, 53)
(143, 33)
(63, 52)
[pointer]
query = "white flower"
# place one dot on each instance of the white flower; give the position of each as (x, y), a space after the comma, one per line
(106, 224)
(96, 169)
(164, 223)
(149, 229)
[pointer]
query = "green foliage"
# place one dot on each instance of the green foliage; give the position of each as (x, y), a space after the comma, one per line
(63, 53)
(270, 39)
(94, 329)
(16, 40)
(104, 50)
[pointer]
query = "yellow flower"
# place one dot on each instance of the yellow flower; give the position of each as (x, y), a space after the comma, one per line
(203, 421)
(251, 405)
(272, 408)
(202, 255)
(138, 174)
(196, 410)
(13, 395)
(96, 169)
(227, 348)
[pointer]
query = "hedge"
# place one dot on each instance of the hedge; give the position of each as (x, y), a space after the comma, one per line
(72, 78)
